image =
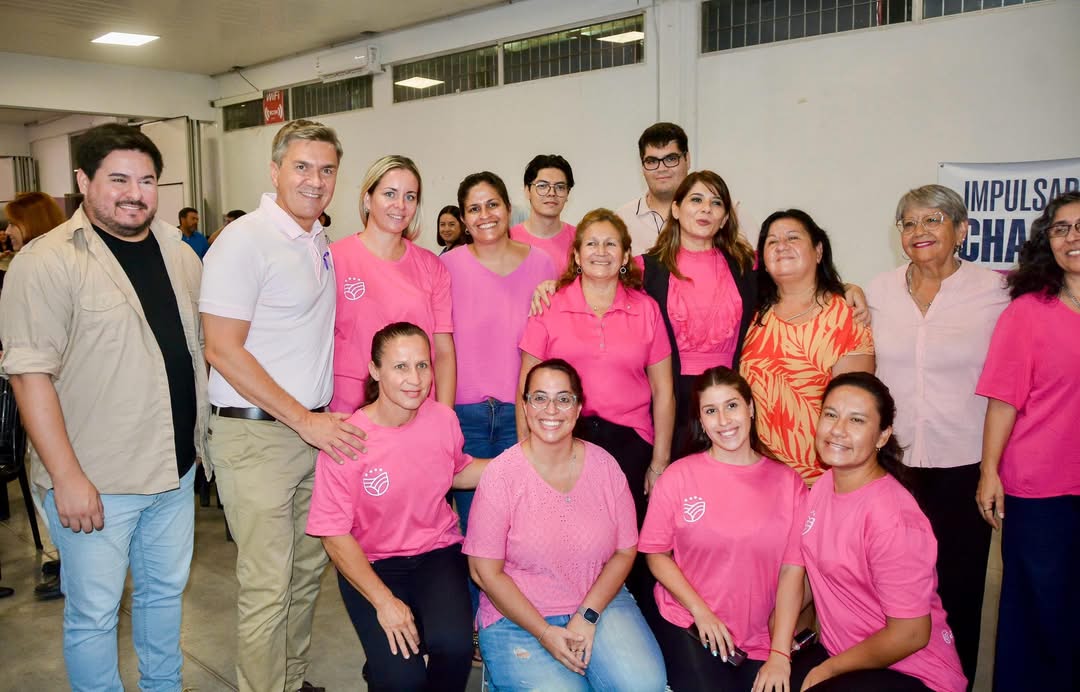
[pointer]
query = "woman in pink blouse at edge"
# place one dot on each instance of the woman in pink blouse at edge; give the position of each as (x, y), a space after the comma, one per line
(551, 539)
(932, 319)
(1031, 456)
(382, 277)
(548, 181)
(386, 525)
(714, 536)
(869, 553)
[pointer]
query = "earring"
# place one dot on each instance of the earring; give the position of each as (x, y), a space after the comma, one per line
(622, 269)
(578, 269)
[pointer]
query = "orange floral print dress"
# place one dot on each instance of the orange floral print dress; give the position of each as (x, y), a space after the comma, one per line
(788, 367)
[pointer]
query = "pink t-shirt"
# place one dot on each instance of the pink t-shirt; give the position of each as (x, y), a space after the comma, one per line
(557, 246)
(393, 499)
(372, 293)
(727, 526)
(1034, 365)
(490, 312)
(610, 353)
(871, 554)
(553, 545)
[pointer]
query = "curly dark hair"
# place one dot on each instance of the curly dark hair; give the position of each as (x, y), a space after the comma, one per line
(1038, 271)
(828, 279)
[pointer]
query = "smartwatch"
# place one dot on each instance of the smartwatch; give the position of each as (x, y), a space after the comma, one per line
(590, 615)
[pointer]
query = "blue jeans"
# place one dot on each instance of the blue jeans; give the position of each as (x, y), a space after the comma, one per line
(153, 534)
(625, 655)
(489, 429)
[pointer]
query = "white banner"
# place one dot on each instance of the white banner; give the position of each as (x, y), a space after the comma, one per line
(1002, 200)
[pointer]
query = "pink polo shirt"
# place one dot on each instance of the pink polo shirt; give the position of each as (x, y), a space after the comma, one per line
(393, 499)
(932, 362)
(610, 353)
(553, 545)
(490, 312)
(557, 246)
(871, 554)
(372, 293)
(728, 527)
(1034, 365)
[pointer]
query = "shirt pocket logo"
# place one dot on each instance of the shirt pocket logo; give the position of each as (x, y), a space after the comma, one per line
(693, 509)
(376, 482)
(354, 288)
(811, 519)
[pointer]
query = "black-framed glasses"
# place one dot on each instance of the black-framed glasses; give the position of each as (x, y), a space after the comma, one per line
(564, 401)
(651, 163)
(1061, 228)
(930, 223)
(544, 188)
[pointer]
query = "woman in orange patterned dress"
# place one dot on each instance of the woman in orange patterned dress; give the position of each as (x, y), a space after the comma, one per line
(803, 335)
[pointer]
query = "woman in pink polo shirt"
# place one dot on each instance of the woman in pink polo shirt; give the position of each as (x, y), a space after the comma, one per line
(1031, 456)
(714, 536)
(382, 277)
(551, 539)
(869, 553)
(386, 525)
(548, 181)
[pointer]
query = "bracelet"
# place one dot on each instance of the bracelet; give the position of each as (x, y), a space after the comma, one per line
(540, 639)
(654, 471)
(778, 651)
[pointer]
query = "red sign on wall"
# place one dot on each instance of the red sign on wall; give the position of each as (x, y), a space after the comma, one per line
(273, 107)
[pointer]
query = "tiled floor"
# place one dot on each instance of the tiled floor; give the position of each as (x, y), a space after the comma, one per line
(30, 631)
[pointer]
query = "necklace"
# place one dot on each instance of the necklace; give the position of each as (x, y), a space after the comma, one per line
(924, 307)
(573, 457)
(1071, 297)
(804, 312)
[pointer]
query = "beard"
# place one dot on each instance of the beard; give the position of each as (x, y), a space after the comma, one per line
(103, 216)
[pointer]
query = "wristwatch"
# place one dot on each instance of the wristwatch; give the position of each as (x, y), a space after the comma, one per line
(590, 615)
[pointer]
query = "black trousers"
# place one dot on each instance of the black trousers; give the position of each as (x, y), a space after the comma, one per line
(692, 668)
(876, 680)
(947, 497)
(433, 585)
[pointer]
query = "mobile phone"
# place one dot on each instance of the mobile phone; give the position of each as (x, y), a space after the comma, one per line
(803, 638)
(737, 655)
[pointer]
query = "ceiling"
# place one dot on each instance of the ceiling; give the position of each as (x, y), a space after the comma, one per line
(208, 36)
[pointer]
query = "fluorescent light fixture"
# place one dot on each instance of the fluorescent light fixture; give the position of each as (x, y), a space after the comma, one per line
(117, 38)
(625, 37)
(418, 82)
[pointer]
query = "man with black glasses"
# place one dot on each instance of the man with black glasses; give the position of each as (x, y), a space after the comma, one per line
(665, 161)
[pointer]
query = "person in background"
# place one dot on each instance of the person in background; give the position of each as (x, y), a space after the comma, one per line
(665, 161)
(714, 538)
(229, 218)
(551, 540)
(1030, 457)
(451, 231)
(932, 319)
(325, 220)
(869, 553)
(389, 531)
(189, 227)
(383, 277)
(803, 335)
(548, 181)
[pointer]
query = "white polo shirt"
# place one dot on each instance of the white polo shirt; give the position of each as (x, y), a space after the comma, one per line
(643, 223)
(268, 271)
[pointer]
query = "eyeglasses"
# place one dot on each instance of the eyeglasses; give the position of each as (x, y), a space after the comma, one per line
(564, 401)
(1061, 228)
(930, 223)
(544, 188)
(651, 163)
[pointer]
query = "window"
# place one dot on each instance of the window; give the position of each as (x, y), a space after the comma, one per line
(940, 8)
(312, 100)
(594, 47)
(727, 24)
(246, 114)
(446, 74)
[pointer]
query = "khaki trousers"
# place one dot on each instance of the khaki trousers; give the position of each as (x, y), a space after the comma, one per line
(265, 473)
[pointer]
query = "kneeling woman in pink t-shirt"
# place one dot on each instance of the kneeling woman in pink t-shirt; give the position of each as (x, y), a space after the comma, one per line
(551, 538)
(385, 523)
(715, 534)
(870, 555)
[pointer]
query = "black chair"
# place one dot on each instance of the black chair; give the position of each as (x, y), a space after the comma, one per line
(13, 458)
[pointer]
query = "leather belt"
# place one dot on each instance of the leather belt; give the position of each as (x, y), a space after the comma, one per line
(249, 413)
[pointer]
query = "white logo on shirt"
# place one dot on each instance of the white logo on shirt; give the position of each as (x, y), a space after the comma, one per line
(693, 509)
(354, 288)
(810, 520)
(376, 482)
(947, 636)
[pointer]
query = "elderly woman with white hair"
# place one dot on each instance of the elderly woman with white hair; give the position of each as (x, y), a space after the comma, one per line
(932, 320)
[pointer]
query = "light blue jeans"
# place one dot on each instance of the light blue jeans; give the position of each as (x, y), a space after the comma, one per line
(625, 655)
(153, 534)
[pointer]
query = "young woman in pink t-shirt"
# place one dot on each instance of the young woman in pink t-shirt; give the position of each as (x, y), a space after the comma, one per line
(714, 537)
(551, 539)
(548, 181)
(382, 277)
(386, 525)
(870, 555)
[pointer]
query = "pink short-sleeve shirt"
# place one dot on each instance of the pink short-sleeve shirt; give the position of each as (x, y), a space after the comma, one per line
(553, 545)
(610, 353)
(727, 527)
(557, 246)
(393, 499)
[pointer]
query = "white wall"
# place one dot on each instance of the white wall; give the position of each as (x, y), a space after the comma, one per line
(50, 146)
(13, 141)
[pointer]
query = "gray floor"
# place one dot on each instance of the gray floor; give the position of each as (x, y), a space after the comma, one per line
(30, 631)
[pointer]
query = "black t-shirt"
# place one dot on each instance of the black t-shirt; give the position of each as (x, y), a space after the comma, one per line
(145, 267)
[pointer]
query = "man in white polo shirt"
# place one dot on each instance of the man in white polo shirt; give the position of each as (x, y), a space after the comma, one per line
(665, 162)
(267, 308)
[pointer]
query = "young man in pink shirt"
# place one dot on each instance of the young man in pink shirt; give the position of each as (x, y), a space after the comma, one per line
(548, 181)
